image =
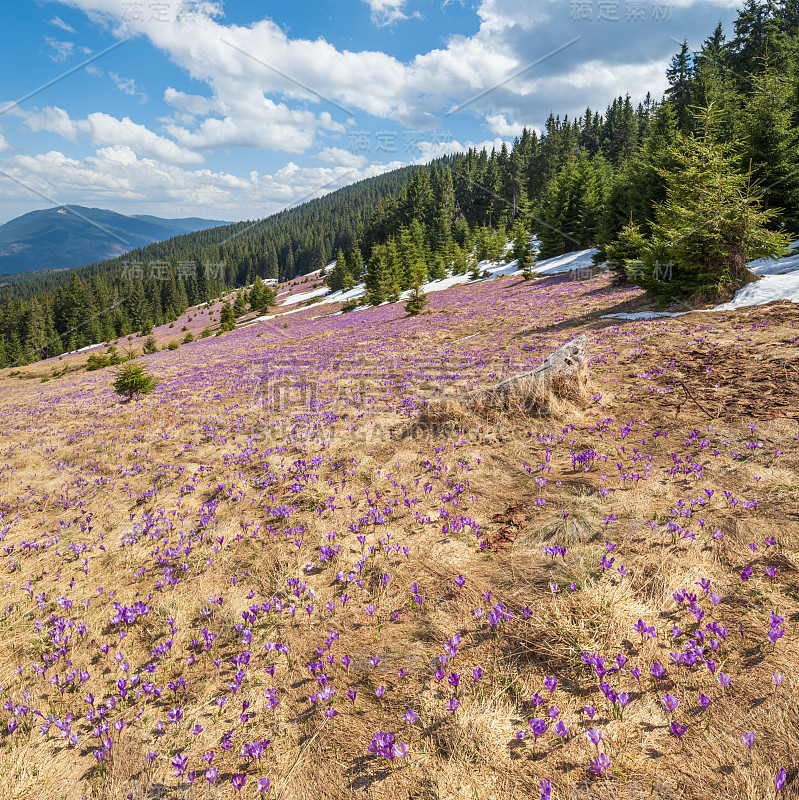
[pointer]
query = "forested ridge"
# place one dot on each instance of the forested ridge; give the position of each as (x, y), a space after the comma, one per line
(703, 179)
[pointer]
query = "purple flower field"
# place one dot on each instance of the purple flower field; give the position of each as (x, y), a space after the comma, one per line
(265, 579)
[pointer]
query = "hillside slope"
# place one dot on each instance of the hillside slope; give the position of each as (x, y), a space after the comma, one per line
(267, 563)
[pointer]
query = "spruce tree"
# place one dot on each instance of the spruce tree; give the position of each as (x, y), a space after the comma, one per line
(355, 263)
(628, 246)
(376, 277)
(437, 268)
(456, 259)
(227, 318)
(482, 240)
(769, 144)
(474, 267)
(497, 242)
(150, 346)
(256, 297)
(339, 276)
(569, 212)
(418, 299)
(522, 250)
(521, 240)
(394, 292)
(132, 379)
(680, 76)
(526, 264)
(711, 224)
(289, 272)
(36, 333)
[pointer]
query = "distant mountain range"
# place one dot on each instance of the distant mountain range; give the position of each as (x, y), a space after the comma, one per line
(70, 236)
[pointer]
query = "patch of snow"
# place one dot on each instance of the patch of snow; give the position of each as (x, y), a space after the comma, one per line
(780, 266)
(766, 290)
(645, 315)
(580, 260)
(359, 290)
(302, 297)
(284, 314)
(83, 349)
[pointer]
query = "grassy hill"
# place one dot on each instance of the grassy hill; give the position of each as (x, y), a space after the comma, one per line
(266, 563)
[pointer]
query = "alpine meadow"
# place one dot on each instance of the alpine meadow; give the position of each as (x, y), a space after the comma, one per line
(465, 472)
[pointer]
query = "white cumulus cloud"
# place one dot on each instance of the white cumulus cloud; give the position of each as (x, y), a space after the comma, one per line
(104, 130)
(115, 177)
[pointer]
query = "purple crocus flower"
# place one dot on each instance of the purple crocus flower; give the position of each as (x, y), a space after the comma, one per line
(779, 781)
(749, 739)
(644, 630)
(775, 633)
(538, 727)
(238, 780)
(600, 764)
(382, 744)
(771, 572)
(594, 736)
(678, 730)
(179, 762)
(670, 702)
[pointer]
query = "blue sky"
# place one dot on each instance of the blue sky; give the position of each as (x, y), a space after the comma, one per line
(236, 109)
